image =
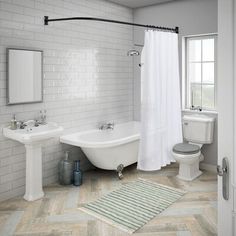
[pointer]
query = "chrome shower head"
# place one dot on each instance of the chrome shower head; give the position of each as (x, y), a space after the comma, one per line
(133, 52)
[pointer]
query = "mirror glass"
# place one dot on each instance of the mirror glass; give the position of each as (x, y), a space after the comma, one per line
(25, 76)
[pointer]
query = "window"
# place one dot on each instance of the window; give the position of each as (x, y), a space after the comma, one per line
(200, 70)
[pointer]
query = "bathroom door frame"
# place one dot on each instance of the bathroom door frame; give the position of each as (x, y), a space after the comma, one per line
(226, 94)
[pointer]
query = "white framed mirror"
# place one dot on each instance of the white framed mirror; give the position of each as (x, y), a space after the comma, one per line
(24, 76)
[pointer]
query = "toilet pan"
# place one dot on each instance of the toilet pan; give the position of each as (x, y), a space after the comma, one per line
(188, 156)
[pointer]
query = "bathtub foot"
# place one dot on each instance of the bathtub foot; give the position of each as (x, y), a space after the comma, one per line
(119, 171)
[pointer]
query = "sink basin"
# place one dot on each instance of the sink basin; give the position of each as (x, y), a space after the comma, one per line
(32, 138)
(34, 134)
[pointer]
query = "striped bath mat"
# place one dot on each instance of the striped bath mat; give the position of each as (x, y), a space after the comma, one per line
(134, 204)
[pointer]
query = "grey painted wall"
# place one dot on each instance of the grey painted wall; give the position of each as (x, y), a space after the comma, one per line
(193, 17)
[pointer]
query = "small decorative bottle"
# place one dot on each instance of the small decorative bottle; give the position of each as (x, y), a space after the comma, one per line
(77, 174)
(65, 170)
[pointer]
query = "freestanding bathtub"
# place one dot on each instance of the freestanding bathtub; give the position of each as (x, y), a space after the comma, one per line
(108, 149)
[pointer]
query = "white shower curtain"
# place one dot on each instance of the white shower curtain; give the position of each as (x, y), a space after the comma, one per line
(161, 125)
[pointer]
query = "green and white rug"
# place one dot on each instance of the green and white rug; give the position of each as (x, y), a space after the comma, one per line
(134, 204)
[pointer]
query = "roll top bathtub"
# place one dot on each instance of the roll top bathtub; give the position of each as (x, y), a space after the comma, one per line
(108, 149)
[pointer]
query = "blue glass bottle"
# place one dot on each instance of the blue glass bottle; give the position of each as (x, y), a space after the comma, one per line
(77, 174)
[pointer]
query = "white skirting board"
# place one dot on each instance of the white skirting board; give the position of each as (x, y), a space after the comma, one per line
(208, 167)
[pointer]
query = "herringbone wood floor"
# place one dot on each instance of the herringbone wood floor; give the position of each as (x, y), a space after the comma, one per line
(57, 213)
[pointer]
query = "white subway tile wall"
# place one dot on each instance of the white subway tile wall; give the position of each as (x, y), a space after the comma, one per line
(87, 76)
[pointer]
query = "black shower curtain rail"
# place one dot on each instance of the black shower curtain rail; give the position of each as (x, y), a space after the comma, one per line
(174, 30)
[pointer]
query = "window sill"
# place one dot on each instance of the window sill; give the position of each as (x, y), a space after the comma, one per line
(200, 112)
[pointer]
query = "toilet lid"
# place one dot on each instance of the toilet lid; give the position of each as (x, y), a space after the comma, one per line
(186, 148)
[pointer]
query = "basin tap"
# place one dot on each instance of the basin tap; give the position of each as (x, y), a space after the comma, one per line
(109, 125)
(27, 124)
(20, 124)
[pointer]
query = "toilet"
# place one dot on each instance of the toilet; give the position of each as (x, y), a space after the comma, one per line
(197, 131)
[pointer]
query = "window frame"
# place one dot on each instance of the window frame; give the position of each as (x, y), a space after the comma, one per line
(185, 65)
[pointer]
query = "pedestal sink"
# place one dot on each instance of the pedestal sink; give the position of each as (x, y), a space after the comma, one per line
(32, 138)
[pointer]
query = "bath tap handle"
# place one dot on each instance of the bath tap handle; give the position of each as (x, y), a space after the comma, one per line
(108, 125)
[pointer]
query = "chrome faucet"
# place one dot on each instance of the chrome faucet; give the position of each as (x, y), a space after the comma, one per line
(197, 108)
(26, 124)
(32, 123)
(109, 125)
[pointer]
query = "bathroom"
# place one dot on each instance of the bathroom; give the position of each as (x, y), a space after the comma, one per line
(90, 81)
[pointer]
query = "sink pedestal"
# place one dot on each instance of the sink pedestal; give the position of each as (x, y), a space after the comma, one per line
(33, 138)
(34, 187)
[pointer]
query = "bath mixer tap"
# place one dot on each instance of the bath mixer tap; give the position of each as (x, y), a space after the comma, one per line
(109, 125)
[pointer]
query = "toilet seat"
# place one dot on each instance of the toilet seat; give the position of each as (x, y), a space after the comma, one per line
(186, 149)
